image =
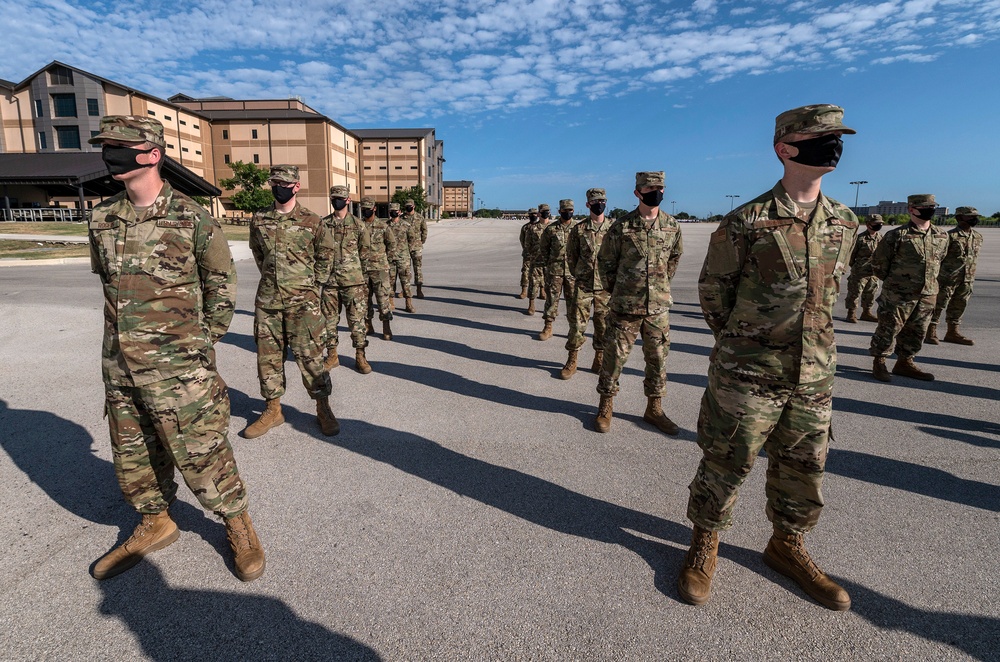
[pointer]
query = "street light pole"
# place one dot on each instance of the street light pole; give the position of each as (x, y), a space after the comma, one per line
(673, 207)
(732, 201)
(857, 190)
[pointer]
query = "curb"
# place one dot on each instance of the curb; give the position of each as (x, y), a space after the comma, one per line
(42, 262)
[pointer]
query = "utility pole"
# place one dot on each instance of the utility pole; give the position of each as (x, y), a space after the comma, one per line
(857, 190)
(732, 201)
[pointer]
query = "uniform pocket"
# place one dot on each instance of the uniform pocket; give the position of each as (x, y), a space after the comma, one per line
(170, 258)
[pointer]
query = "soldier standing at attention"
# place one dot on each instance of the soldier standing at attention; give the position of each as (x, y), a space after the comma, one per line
(862, 282)
(581, 254)
(417, 236)
(345, 287)
(768, 286)
(637, 260)
(958, 272)
(376, 264)
(907, 261)
(558, 278)
(169, 294)
(399, 263)
(532, 243)
(293, 250)
(525, 260)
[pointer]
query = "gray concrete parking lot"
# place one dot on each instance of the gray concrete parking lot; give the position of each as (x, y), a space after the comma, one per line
(467, 511)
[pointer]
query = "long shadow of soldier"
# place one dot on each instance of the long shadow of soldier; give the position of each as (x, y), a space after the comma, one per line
(186, 624)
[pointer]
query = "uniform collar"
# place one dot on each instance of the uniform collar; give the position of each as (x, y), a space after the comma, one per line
(786, 207)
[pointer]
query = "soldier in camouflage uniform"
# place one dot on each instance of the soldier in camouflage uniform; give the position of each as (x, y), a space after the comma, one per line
(768, 286)
(581, 254)
(958, 272)
(907, 261)
(636, 262)
(169, 294)
(862, 282)
(417, 236)
(559, 279)
(399, 262)
(532, 244)
(376, 265)
(345, 287)
(525, 259)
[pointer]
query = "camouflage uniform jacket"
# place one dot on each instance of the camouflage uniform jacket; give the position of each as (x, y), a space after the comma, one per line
(769, 283)
(581, 252)
(351, 239)
(861, 256)
(400, 236)
(382, 246)
(293, 254)
(522, 236)
(418, 225)
(532, 240)
(959, 265)
(552, 248)
(169, 287)
(637, 260)
(908, 260)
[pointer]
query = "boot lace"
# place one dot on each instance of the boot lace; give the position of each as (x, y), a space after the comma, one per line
(799, 553)
(239, 536)
(701, 548)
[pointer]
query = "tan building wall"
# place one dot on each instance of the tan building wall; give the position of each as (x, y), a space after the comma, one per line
(459, 199)
(390, 165)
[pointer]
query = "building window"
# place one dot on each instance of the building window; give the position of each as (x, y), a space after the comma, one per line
(225, 158)
(167, 117)
(399, 167)
(64, 105)
(60, 75)
(368, 167)
(253, 133)
(381, 146)
(151, 112)
(43, 142)
(184, 149)
(68, 137)
(94, 134)
(367, 147)
(413, 167)
(198, 152)
(381, 167)
(413, 146)
(225, 134)
(93, 108)
(256, 158)
(368, 188)
(399, 188)
(169, 146)
(398, 147)
(183, 123)
(194, 126)
(38, 107)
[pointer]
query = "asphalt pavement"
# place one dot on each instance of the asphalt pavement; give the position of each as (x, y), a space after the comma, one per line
(467, 511)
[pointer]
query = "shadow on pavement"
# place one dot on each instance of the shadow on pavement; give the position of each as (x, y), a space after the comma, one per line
(879, 410)
(464, 323)
(983, 442)
(473, 354)
(471, 290)
(937, 386)
(475, 304)
(185, 624)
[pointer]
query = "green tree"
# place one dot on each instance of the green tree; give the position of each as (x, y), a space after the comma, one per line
(716, 218)
(683, 215)
(416, 193)
(248, 181)
(996, 215)
(617, 213)
(201, 200)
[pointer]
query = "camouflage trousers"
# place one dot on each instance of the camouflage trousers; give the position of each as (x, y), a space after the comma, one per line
(301, 330)
(739, 416)
(379, 293)
(536, 282)
(556, 286)
(417, 258)
(863, 287)
(583, 301)
(353, 299)
(525, 271)
(952, 299)
(400, 269)
(904, 321)
(621, 333)
(181, 422)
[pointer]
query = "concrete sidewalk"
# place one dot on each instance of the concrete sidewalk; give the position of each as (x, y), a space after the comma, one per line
(239, 249)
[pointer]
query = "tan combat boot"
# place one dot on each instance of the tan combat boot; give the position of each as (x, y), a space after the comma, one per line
(867, 316)
(360, 362)
(409, 305)
(786, 553)
(851, 317)
(420, 291)
(546, 331)
(570, 368)
(931, 337)
(386, 330)
(598, 360)
(271, 417)
(879, 371)
(154, 532)
(327, 421)
(954, 336)
(531, 307)
(248, 555)
(604, 413)
(694, 584)
(523, 294)
(905, 367)
(332, 359)
(654, 414)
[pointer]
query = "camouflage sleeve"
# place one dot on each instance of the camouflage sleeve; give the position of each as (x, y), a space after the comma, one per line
(324, 250)
(607, 257)
(217, 272)
(95, 260)
(854, 251)
(524, 230)
(720, 275)
(423, 230)
(390, 243)
(364, 243)
(543, 247)
(675, 255)
(573, 250)
(255, 247)
(882, 258)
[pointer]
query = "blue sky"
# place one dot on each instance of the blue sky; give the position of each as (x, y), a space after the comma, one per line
(539, 100)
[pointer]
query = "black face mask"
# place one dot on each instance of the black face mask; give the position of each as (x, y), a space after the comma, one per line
(533, 217)
(409, 208)
(367, 213)
(876, 226)
(282, 194)
(820, 152)
(971, 222)
(122, 159)
(394, 214)
(545, 214)
(566, 215)
(925, 213)
(339, 203)
(652, 198)
(597, 208)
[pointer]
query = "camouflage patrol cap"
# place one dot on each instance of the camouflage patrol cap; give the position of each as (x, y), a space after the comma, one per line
(284, 173)
(966, 211)
(566, 204)
(339, 191)
(368, 202)
(543, 207)
(409, 201)
(533, 210)
(818, 118)
(393, 206)
(596, 194)
(130, 129)
(644, 179)
(875, 218)
(921, 200)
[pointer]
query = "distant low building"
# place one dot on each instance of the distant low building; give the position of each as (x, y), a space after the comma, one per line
(887, 207)
(459, 197)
